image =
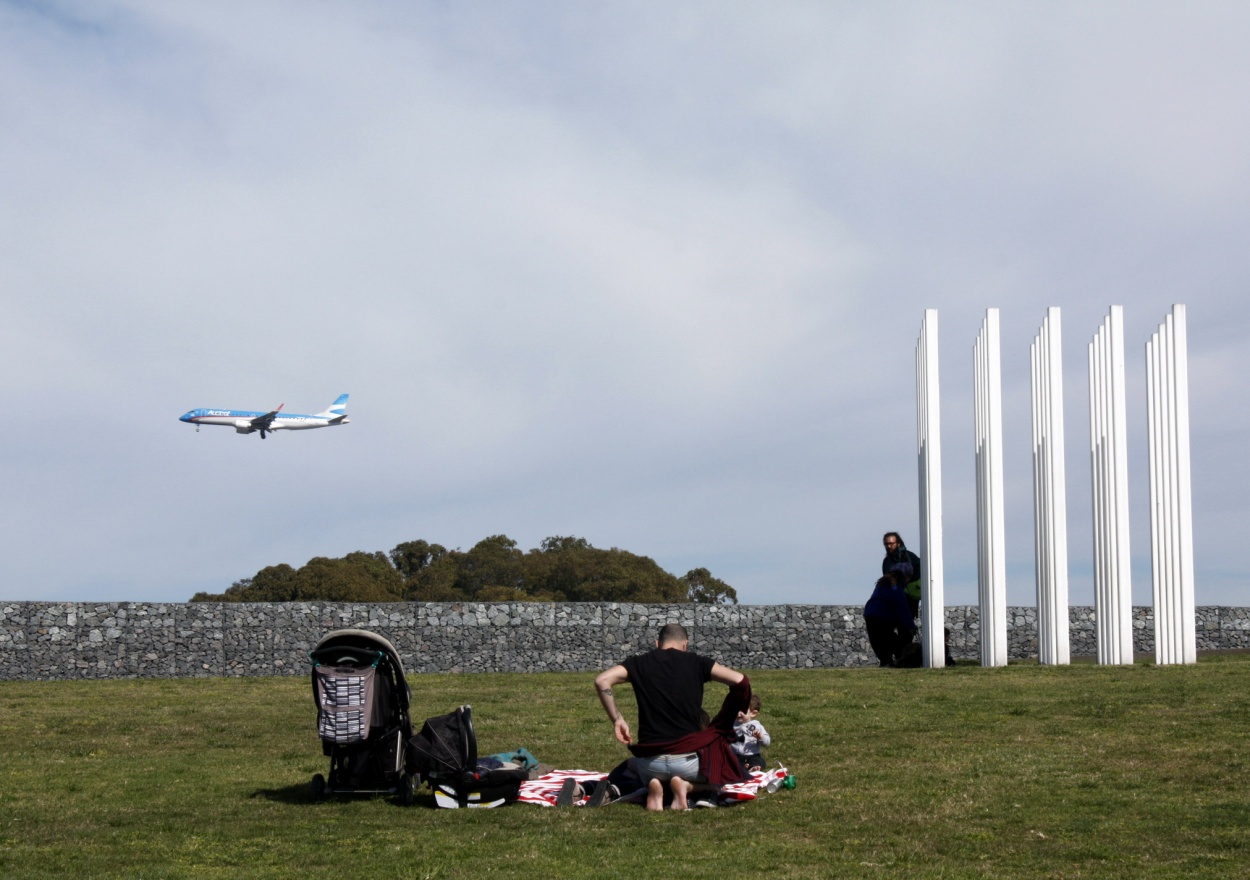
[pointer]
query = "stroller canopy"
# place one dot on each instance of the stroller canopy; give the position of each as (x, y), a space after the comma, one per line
(357, 647)
(446, 745)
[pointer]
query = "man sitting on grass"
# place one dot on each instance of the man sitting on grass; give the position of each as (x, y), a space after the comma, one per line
(668, 684)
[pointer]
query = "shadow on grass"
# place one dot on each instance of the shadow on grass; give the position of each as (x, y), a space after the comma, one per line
(302, 794)
(291, 794)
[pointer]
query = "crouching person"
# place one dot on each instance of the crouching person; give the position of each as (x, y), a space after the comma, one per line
(672, 749)
(887, 617)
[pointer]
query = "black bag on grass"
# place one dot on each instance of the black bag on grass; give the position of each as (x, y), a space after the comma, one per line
(445, 754)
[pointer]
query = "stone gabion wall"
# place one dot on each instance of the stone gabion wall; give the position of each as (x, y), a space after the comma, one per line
(48, 640)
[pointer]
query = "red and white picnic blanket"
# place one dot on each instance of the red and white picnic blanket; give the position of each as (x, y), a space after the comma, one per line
(544, 790)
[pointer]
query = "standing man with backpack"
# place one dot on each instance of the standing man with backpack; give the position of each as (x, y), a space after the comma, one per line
(896, 552)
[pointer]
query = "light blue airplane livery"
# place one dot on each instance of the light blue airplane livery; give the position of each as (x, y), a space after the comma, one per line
(249, 422)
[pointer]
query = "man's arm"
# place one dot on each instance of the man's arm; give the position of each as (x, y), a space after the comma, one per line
(725, 675)
(604, 682)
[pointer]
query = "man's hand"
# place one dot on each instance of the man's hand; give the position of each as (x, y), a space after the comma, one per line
(621, 728)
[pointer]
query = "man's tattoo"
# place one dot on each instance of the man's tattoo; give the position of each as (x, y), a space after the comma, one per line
(606, 691)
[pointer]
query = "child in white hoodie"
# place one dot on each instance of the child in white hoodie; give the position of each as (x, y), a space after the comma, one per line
(750, 736)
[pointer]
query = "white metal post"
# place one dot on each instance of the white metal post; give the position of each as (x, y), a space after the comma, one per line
(1113, 597)
(1050, 519)
(991, 554)
(1171, 514)
(929, 460)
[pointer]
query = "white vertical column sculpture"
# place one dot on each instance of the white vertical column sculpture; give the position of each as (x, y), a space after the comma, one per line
(991, 553)
(1113, 597)
(1171, 512)
(1050, 518)
(929, 456)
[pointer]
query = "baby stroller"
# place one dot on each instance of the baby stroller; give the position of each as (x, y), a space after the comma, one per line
(362, 715)
(445, 752)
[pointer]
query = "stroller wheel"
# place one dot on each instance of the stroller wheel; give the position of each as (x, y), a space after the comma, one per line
(318, 787)
(405, 790)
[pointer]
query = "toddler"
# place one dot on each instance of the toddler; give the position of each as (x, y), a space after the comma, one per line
(750, 735)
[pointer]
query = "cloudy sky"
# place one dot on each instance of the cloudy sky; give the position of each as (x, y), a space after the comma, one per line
(647, 273)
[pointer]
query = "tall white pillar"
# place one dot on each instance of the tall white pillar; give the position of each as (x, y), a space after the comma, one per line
(1171, 514)
(1050, 518)
(1113, 597)
(929, 458)
(991, 552)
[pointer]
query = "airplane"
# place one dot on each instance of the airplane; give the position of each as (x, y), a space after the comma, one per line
(265, 422)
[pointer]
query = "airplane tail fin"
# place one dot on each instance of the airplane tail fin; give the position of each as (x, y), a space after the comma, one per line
(338, 409)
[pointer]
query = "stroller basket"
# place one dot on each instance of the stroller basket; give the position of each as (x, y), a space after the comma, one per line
(345, 701)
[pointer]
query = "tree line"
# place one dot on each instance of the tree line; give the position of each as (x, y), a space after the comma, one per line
(562, 569)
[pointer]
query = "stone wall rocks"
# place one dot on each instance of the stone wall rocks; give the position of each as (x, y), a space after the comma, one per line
(83, 640)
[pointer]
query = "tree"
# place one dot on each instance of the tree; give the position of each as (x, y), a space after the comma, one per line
(573, 570)
(561, 569)
(436, 582)
(411, 557)
(492, 562)
(357, 577)
(563, 544)
(273, 583)
(702, 588)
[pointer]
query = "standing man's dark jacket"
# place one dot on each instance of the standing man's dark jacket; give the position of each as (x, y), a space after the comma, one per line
(913, 588)
(901, 554)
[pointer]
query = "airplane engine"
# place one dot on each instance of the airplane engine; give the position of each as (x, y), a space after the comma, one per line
(244, 426)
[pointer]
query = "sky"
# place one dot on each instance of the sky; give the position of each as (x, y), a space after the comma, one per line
(646, 273)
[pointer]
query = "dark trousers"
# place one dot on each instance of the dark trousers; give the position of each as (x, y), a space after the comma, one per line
(752, 762)
(887, 637)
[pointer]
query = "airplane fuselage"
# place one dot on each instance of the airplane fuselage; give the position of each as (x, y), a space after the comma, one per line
(241, 420)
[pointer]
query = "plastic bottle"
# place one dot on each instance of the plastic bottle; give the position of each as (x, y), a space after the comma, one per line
(776, 779)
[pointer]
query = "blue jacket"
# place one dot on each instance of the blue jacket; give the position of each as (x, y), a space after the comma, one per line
(889, 602)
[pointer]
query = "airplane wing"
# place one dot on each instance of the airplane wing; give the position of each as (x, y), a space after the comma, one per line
(262, 423)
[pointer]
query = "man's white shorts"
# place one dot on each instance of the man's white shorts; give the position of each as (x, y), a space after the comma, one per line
(665, 767)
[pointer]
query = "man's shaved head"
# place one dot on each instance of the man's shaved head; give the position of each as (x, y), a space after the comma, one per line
(672, 634)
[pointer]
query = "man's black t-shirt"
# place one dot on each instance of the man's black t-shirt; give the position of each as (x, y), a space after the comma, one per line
(668, 685)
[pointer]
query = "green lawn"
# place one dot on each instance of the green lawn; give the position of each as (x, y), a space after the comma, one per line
(1021, 772)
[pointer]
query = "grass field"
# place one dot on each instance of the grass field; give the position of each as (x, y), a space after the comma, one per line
(1081, 771)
